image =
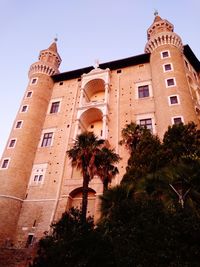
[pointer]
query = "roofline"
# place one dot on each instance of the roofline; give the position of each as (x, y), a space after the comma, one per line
(122, 63)
(112, 65)
(191, 57)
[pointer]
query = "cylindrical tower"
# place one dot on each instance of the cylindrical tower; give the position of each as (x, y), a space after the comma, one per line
(170, 86)
(18, 156)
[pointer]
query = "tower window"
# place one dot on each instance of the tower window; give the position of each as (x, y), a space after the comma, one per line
(167, 67)
(173, 100)
(165, 54)
(18, 124)
(29, 94)
(34, 80)
(147, 123)
(5, 164)
(38, 174)
(47, 139)
(170, 82)
(24, 108)
(12, 143)
(38, 178)
(55, 107)
(177, 120)
(143, 91)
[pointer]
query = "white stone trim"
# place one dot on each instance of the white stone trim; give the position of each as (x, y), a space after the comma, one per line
(31, 81)
(27, 107)
(16, 124)
(10, 147)
(147, 116)
(138, 84)
(161, 54)
(2, 161)
(172, 68)
(38, 169)
(50, 104)
(169, 78)
(12, 197)
(44, 131)
(171, 104)
(172, 119)
(29, 91)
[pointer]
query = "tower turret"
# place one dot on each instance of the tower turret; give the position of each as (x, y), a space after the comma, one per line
(169, 79)
(18, 156)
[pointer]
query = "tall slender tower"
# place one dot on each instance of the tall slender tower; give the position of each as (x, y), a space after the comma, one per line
(19, 153)
(169, 76)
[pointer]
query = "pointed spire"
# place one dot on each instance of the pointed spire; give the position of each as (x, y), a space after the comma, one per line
(53, 47)
(157, 18)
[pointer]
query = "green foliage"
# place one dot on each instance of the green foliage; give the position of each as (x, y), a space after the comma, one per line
(181, 140)
(105, 168)
(73, 243)
(144, 233)
(82, 155)
(159, 164)
(145, 152)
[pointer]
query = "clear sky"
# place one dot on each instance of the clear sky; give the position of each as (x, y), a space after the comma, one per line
(86, 30)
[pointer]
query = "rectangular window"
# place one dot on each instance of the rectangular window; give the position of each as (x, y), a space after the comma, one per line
(34, 80)
(18, 124)
(55, 107)
(143, 91)
(177, 120)
(173, 100)
(47, 139)
(5, 164)
(12, 143)
(165, 54)
(38, 178)
(146, 123)
(24, 108)
(29, 94)
(167, 67)
(170, 82)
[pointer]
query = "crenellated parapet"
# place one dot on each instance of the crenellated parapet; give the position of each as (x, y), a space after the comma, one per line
(49, 62)
(43, 68)
(163, 38)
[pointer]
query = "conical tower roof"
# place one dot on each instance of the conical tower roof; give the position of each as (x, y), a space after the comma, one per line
(53, 47)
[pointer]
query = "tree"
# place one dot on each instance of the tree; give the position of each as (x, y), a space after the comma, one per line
(113, 197)
(175, 184)
(145, 152)
(181, 140)
(144, 233)
(74, 243)
(131, 135)
(82, 155)
(104, 162)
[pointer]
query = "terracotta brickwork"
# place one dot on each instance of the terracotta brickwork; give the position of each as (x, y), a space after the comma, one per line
(155, 89)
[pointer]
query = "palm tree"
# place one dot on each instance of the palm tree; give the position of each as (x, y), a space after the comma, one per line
(175, 183)
(82, 156)
(105, 160)
(131, 135)
(113, 198)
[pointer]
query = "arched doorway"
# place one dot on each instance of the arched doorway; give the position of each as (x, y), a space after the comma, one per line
(75, 200)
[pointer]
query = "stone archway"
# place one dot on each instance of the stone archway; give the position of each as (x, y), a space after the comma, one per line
(75, 199)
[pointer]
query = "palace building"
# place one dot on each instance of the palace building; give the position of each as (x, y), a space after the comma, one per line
(158, 88)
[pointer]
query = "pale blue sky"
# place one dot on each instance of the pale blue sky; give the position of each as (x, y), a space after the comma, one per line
(86, 30)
